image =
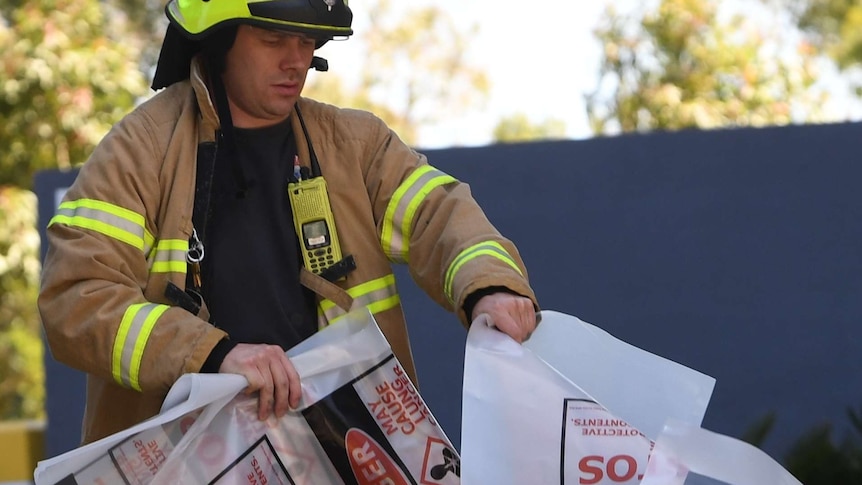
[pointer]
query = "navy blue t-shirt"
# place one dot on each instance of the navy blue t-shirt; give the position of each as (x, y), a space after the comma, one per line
(251, 267)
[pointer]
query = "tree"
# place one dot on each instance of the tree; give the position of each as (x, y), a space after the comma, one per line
(415, 69)
(67, 73)
(683, 66)
(145, 23)
(815, 458)
(331, 89)
(65, 78)
(519, 128)
(833, 27)
(22, 387)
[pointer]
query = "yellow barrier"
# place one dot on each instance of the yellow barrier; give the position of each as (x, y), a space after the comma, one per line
(22, 445)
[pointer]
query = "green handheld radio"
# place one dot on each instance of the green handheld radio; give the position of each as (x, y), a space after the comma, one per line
(315, 225)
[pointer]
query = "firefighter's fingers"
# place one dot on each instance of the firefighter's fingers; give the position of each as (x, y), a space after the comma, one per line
(512, 314)
(287, 386)
(266, 394)
(253, 361)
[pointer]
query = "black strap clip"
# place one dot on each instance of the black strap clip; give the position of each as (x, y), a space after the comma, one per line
(187, 300)
(340, 269)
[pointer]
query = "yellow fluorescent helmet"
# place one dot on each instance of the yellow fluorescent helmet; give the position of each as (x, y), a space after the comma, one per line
(322, 19)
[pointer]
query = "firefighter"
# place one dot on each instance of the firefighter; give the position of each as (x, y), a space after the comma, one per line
(178, 249)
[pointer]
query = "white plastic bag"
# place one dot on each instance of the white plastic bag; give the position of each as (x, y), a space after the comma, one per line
(525, 422)
(574, 405)
(360, 421)
(638, 386)
(682, 448)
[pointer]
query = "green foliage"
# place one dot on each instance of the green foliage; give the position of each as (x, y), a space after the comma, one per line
(757, 433)
(145, 26)
(684, 66)
(834, 26)
(519, 128)
(331, 89)
(67, 73)
(815, 458)
(414, 70)
(21, 388)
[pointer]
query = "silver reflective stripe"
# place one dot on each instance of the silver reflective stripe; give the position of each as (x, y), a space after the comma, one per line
(170, 256)
(401, 212)
(105, 218)
(377, 295)
(131, 340)
(487, 248)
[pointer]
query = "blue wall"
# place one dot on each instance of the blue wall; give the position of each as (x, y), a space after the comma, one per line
(736, 253)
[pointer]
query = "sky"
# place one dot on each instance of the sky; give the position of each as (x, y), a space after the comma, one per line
(540, 58)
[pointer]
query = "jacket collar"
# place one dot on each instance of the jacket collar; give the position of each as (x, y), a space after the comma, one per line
(209, 116)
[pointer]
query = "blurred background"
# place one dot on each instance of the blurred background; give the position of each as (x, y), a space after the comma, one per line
(443, 74)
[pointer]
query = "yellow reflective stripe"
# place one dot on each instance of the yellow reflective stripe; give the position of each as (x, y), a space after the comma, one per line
(131, 340)
(377, 295)
(149, 240)
(390, 240)
(487, 248)
(111, 220)
(170, 256)
(398, 220)
(366, 288)
(374, 308)
(383, 305)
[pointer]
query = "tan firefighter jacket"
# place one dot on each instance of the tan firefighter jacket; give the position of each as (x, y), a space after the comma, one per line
(121, 234)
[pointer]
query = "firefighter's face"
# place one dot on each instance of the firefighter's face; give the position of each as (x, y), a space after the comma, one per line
(264, 75)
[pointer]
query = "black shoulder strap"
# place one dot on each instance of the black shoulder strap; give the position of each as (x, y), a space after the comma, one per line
(203, 186)
(188, 299)
(315, 165)
(201, 211)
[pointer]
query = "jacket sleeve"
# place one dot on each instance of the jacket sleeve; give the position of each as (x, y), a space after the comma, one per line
(430, 221)
(96, 277)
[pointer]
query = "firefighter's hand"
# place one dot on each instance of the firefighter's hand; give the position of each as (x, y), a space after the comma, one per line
(269, 373)
(513, 315)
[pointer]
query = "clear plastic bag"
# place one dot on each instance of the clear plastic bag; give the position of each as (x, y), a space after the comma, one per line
(360, 421)
(575, 405)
